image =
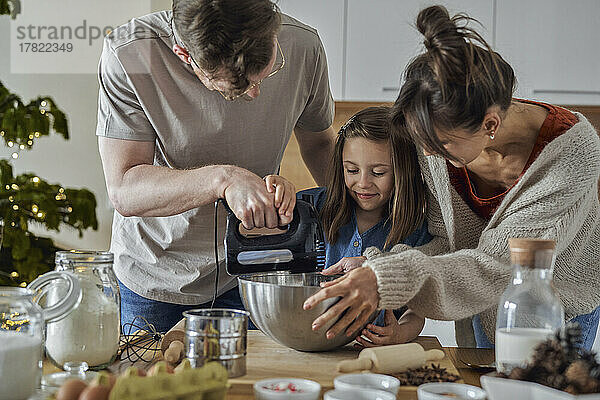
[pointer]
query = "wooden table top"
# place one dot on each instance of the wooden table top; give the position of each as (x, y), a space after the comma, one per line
(268, 359)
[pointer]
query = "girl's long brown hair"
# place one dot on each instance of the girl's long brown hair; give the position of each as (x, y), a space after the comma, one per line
(453, 83)
(406, 208)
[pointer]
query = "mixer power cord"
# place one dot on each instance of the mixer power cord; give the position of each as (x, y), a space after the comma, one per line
(212, 305)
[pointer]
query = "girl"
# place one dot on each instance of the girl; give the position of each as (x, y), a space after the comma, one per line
(375, 197)
(508, 168)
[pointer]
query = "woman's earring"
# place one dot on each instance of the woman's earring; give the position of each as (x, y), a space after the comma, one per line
(492, 133)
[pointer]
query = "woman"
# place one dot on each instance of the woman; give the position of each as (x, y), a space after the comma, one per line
(510, 168)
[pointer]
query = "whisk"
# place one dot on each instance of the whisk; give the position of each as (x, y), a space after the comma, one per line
(140, 341)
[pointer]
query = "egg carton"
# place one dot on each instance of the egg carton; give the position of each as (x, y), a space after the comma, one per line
(206, 383)
(503, 388)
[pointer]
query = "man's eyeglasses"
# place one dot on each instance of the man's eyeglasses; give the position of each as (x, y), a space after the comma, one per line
(276, 69)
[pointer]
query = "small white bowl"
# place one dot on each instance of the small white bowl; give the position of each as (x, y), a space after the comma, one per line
(501, 388)
(308, 390)
(367, 381)
(435, 391)
(358, 394)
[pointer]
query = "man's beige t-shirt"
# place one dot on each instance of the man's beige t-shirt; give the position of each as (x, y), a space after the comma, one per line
(148, 94)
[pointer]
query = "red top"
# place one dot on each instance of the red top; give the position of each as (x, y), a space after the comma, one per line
(556, 123)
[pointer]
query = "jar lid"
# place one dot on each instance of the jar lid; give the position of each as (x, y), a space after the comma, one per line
(531, 244)
(83, 257)
(67, 290)
(523, 251)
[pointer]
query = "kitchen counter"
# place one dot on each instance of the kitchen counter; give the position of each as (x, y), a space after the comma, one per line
(268, 359)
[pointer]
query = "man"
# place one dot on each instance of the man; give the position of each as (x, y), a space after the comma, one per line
(198, 104)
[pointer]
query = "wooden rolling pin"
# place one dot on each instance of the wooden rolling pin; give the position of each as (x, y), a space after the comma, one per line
(171, 345)
(390, 359)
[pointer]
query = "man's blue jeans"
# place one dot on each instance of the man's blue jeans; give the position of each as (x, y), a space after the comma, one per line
(165, 315)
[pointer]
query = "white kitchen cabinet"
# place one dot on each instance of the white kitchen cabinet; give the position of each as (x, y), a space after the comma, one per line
(327, 17)
(443, 330)
(554, 47)
(382, 39)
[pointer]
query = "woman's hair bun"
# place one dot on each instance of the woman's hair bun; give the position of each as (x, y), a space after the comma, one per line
(438, 28)
(451, 45)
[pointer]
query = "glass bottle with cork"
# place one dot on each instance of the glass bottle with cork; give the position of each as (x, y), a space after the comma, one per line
(530, 309)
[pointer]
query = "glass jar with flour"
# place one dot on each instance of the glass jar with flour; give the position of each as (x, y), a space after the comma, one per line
(90, 333)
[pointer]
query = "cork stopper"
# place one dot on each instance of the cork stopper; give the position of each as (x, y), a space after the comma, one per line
(530, 252)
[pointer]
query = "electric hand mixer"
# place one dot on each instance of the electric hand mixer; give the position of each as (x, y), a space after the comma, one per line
(298, 249)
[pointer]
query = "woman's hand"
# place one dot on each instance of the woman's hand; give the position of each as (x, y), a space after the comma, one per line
(346, 264)
(285, 197)
(359, 298)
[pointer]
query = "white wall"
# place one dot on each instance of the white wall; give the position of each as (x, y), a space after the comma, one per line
(330, 25)
(74, 162)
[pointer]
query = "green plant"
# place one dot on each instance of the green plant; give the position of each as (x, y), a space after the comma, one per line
(27, 198)
(12, 7)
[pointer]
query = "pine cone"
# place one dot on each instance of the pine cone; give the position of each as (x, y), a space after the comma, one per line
(556, 381)
(535, 373)
(590, 386)
(578, 376)
(557, 363)
(572, 389)
(578, 373)
(595, 372)
(519, 373)
(569, 337)
(551, 356)
(589, 357)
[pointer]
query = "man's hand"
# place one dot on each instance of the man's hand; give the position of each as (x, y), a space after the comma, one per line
(346, 264)
(285, 197)
(247, 196)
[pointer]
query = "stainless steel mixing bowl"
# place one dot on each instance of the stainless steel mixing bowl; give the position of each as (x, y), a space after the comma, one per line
(275, 299)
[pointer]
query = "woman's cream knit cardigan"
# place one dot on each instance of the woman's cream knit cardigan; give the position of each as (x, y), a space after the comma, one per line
(466, 267)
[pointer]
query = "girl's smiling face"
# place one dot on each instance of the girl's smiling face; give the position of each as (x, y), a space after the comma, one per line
(368, 173)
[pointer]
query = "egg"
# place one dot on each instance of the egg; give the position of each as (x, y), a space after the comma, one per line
(159, 368)
(71, 389)
(105, 378)
(111, 380)
(133, 371)
(95, 393)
